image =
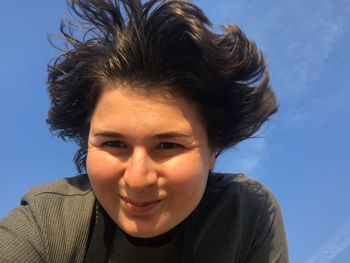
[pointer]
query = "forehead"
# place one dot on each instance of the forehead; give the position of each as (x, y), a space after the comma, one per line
(125, 106)
(136, 96)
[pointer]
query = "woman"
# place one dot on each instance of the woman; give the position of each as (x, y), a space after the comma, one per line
(152, 96)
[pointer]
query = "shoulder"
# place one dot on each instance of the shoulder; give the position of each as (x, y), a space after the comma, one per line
(242, 197)
(62, 210)
(237, 186)
(68, 196)
(61, 205)
(71, 186)
(51, 224)
(240, 216)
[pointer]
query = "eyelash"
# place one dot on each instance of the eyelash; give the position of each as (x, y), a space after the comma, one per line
(162, 145)
(169, 145)
(114, 144)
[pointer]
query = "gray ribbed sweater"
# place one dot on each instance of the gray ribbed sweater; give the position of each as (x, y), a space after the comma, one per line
(238, 220)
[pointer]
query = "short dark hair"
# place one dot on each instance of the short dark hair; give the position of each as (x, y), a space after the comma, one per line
(163, 45)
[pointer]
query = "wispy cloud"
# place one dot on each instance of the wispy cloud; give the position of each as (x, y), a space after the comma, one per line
(339, 242)
(309, 37)
(319, 110)
(303, 42)
(299, 38)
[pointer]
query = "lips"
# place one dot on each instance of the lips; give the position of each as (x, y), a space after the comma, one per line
(139, 206)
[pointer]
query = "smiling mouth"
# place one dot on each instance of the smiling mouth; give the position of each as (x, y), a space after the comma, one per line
(139, 207)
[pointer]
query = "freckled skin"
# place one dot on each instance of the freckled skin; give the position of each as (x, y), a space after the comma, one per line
(148, 159)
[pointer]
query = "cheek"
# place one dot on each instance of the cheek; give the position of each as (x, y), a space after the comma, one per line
(102, 168)
(188, 175)
(185, 186)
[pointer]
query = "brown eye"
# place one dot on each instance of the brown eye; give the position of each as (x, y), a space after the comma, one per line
(114, 144)
(169, 145)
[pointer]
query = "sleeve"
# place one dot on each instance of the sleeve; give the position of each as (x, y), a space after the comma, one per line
(269, 244)
(20, 237)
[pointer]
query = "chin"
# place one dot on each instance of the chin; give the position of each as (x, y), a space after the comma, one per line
(139, 233)
(143, 231)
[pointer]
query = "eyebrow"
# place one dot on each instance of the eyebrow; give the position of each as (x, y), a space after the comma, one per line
(162, 136)
(170, 135)
(110, 134)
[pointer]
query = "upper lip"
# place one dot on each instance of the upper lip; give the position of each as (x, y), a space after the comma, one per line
(139, 203)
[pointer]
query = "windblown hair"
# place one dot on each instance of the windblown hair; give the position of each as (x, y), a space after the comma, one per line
(164, 46)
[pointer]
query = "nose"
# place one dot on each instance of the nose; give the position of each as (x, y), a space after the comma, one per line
(140, 173)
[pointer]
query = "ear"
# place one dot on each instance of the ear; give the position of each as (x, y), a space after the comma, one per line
(212, 160)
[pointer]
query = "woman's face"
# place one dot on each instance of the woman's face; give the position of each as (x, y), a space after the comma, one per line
(148, 159)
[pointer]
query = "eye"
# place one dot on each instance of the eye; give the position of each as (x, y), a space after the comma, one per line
(114, 144)
(169, 145)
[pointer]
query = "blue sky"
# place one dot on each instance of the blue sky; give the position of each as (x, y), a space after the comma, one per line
(301, 154)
